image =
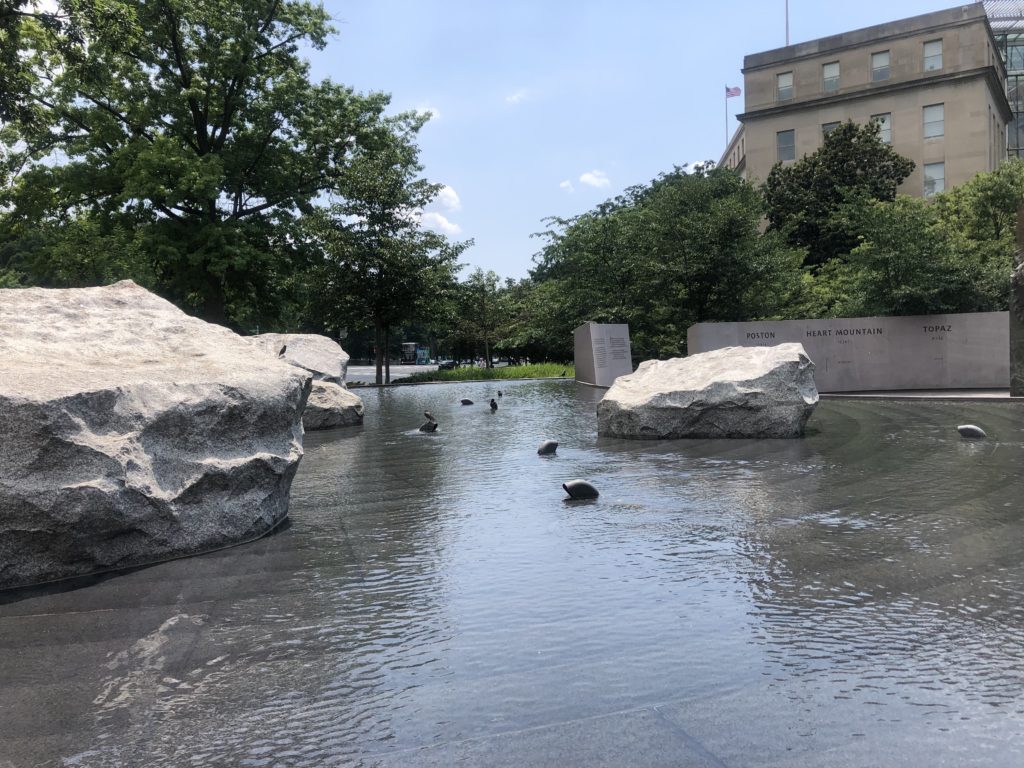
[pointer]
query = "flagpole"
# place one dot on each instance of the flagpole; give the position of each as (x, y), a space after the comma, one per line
(787, 22)
(726, 115)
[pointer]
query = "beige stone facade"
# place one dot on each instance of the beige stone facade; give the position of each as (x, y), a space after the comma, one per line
(935, 81)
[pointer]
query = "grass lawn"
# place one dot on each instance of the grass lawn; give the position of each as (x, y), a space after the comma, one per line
(533, 371)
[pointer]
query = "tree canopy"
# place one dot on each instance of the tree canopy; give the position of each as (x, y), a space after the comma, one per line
(190, 133)
(951, 253)
(379, 269)
(184, 144)
(805, 199)
(683, 249)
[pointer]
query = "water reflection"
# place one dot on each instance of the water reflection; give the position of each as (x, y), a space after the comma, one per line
(437, 587)
(905, 586)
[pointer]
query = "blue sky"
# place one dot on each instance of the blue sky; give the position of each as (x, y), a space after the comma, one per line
(546, 108)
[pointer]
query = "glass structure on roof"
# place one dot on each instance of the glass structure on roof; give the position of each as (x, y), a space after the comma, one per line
(1006, 17)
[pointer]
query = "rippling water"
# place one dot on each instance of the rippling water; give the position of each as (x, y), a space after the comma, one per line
(866, 582)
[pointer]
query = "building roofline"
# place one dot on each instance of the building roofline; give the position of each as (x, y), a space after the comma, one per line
(873, 35)
(732, 143)
(875, 89)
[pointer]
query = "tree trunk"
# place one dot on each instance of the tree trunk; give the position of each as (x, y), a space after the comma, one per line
(487, 354)
(214, 307)
(387, 354)
(378, 339)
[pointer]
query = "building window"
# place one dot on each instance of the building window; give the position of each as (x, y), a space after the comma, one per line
(932, 55)
(884, 126)
(830, 77)
(1015, 57)
(1015, 92)
(880, 66)
(827, 128)
(934, 178)
(934, 121)
(784, 86)
(785, 145)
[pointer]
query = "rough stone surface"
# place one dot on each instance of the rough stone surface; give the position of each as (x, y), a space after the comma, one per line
(321, 356)
(131, 433)
(728, 392)
(331, 405)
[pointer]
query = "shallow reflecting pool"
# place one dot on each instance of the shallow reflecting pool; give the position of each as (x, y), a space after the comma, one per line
(852, 598)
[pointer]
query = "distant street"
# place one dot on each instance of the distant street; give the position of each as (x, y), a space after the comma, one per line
(367, 374)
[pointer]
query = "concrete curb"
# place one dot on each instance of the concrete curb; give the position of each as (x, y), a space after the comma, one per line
(973, 396)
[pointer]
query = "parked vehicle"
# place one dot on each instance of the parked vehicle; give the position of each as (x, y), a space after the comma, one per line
(447, 365)
(414, 353)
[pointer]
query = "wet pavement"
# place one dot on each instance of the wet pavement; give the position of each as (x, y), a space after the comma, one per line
(855, 598)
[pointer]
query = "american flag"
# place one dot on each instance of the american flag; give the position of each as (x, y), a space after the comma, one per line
(730, 92)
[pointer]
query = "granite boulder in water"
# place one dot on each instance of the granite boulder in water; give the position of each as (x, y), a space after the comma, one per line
(321, 356)
(330, 402)
(729, 392)
(132, 433)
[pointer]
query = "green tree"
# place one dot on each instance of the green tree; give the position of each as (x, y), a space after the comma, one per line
(985, 208)
(904, 264)
(192, 123)
(951, 254)
(684, 249)
(483, 317)
(77, 251)
(595, 266)
(804, 199)
(380, 268)
(536, 324)
(708, 251)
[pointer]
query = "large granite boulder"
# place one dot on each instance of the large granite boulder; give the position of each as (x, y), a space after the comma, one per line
(330, 403)
(322, 357)
(730, 392)
(132, 433)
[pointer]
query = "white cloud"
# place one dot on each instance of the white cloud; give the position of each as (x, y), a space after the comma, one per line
(695, 166)
(439, 223)
(567, 186)
(595, 178)
(448, 199)
(516, 97)
(434, 112)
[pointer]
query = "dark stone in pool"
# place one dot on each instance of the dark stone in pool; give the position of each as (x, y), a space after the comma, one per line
(580, 489)
(547, 447)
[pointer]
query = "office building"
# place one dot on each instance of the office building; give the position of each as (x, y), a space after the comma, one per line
(934, 83)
